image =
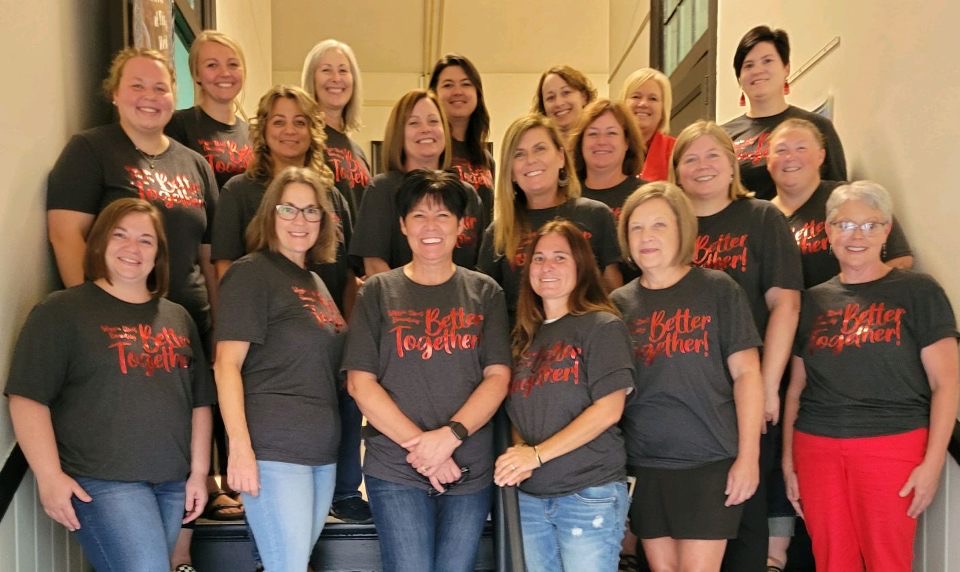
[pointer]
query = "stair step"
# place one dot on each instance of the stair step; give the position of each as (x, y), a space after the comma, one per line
(228, 547)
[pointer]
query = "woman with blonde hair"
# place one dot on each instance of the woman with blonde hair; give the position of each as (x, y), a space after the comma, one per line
(562, 93)
(537, 183)
(331, 76)
(214, 127)
(749, 240)
(647, 93)
(417, 137)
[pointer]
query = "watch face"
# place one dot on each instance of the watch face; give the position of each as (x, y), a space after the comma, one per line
(458, 430)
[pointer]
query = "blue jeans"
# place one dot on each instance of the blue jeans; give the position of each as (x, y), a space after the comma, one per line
(129, 526)
(579, 531)
(349, 474)
(288, 515)
(419, 533)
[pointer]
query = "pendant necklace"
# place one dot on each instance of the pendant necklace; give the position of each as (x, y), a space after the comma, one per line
(151, 159)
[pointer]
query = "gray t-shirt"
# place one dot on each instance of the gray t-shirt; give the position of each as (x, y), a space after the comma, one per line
(683, 414)
(428, 347)
(861, 345)
(225, 147)
(348, 163)
(378, 233)
(570, 364)
(593, 217)
(121, 381)
(101, 165)
(291, 372)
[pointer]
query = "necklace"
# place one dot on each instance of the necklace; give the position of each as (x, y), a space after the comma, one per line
(150, 159)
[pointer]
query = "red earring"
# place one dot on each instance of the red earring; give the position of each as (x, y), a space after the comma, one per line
(743, 99)
(786, 87)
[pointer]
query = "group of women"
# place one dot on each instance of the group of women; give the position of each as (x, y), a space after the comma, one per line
(630, 298)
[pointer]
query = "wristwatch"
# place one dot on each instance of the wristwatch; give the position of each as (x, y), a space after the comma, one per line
(459, 431)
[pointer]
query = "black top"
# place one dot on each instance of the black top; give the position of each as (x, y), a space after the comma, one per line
(614, 197)
(225, 147)
(477, 176)
(351, 171)
(101, 165)
(751, 139)
(860, 345)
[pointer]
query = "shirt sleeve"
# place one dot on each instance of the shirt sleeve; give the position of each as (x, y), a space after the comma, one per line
(496, 332)
(608, 358)
(933, 318)
(203, 389)
(362, 351)
(243, 311)
(737, 329)
(487, 261)
(41, 357)
(76, 181)
(211, 195)
(176, 130)
(835, 163)
(897, 244)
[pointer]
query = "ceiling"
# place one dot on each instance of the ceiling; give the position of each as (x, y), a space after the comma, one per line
(407, 36)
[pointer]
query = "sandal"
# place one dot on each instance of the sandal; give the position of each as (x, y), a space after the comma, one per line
(223, 507)
(184, 568)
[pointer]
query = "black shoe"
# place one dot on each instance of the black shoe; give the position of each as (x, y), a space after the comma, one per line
(352, 510)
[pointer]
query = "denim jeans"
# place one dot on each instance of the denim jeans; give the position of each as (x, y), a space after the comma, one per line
(579, 531)
(129, 526)
(286, 518)
(349, 474)
(420, 533)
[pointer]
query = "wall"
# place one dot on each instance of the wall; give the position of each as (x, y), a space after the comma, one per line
(60, 57)
(896, 86)
(248, 22)
(629, 40)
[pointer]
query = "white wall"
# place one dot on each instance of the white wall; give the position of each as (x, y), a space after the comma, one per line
(56, 60)
(896, 87)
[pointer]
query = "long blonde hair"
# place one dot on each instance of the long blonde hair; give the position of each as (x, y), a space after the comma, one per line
(509, 197)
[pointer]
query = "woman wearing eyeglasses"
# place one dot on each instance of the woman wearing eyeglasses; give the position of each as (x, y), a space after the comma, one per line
(873, 394)
(428, 361)
(279, 340)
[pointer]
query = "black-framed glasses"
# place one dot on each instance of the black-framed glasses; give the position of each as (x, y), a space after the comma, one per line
(289, 212)
(867, 228)
(464, 471)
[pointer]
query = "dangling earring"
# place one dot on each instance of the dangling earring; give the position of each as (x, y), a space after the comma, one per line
(563, 179)
(883, 251)
(786, 87)
(829, 249)
(743, 99)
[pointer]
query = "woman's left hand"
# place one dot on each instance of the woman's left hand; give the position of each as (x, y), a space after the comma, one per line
(742, 481)
(515, 465)
(429, 449)
(923, 482)
(196, 497)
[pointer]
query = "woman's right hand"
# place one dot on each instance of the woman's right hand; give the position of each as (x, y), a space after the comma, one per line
(793, 489)
(447, 472)
(242, 473)
(56, 496)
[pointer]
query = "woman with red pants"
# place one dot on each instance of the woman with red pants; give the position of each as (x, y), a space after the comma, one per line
(872, 396)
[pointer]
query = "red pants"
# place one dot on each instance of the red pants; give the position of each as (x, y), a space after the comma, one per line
(849, 492)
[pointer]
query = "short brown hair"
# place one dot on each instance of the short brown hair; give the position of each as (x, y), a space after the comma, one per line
(574, 78)
(94, 258)
(682, 210)
(697, 130)
(261, 166)
(262, 231)
(394, 153)
(633, 161)
(588, 294)
(112, 81)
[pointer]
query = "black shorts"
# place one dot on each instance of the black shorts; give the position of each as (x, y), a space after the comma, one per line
(684, 503)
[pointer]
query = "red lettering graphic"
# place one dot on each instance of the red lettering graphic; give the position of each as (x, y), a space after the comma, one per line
(139, 347)
(725, 252)
(157, 187)
(838, 329)
(322, 308)
(811, 237)
(226, 156)
(661, 335)
(430, 331)
(557, 363)
(476, 176)
(469, 234)
(348, 168)
(754, 149)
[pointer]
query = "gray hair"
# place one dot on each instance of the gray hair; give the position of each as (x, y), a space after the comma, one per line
(351, 113)
(871, 193)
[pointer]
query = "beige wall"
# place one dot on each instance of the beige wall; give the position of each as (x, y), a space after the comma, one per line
(629, 40)
(56, 55)
(896, 87)
(248, 22)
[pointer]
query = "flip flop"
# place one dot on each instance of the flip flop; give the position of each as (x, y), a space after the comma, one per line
(217, 509)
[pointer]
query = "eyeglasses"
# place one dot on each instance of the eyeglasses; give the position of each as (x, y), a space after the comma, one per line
(289, 212)
(867, 228)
